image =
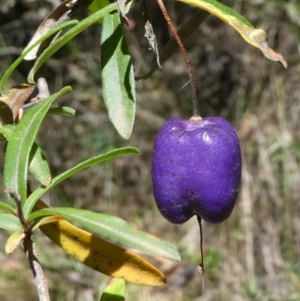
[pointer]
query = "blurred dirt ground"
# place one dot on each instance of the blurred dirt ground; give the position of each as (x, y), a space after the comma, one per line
(255, 254)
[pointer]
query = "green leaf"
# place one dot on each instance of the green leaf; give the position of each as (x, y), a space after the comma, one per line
(74, 31)
(9, 222)
(6, 208)
(33, 198)
(114, 291)
(20, 144)
(98, 5)
(117, 76)
(21, 57)
(219, 10)
(114, 229)
(63, 111)
(2, 138)
(46, 220)
(255, 37)
(7, 130)
(102, 255)
(39, 166)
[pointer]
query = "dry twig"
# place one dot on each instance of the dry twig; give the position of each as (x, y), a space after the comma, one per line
(30, 251)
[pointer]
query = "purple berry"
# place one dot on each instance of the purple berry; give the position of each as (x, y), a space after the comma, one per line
(196, 169)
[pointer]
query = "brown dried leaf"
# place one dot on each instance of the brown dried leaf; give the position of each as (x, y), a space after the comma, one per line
(13, 101)
(66, 10)
(122, 8)
(259, 39)
(57, 16)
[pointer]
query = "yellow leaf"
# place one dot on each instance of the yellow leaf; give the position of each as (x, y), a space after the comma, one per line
(256, 37)
(13, 241)
(101, 255)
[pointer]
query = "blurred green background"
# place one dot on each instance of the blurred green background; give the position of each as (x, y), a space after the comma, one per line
(255, 254)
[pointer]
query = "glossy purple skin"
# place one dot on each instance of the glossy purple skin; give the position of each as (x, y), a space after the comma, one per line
(196, 169)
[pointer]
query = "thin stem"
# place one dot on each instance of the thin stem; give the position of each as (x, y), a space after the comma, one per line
(185, 56)
(201, 264)
(201, 244)
(13, 194)
(29, 249)
(38, 274)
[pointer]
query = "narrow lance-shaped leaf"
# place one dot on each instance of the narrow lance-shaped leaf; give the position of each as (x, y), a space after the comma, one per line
(256, 37)
(46, 220)
(6, 130)
(15, 64)
(117, 76)
(101, 255)
(20, 144)
(60, 14)
(98, 5)
(9, 222)
(6, 208)
(38, 165)
(14, 241)
(74, 31)
(33, 198)
(63, 111)
(115, 229)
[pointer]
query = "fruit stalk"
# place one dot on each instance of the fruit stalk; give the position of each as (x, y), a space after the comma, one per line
(185, 56)
(201, 264)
